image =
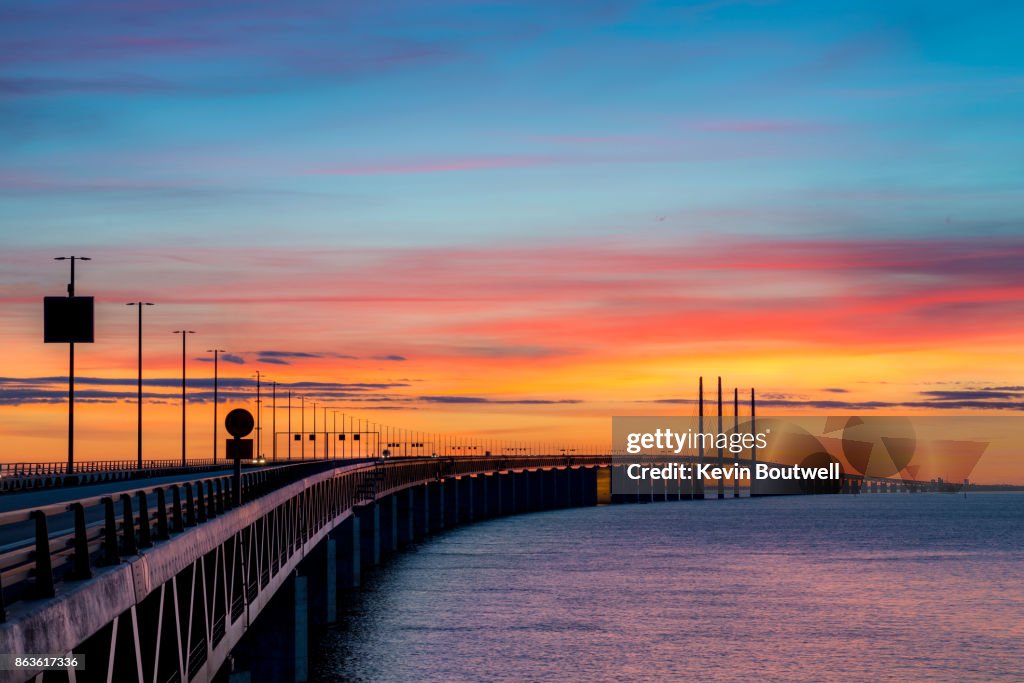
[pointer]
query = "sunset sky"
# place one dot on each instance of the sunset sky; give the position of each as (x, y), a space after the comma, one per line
(512, 220)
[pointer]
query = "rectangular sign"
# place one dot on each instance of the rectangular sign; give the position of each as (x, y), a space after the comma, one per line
(239, 449)
(67, 319)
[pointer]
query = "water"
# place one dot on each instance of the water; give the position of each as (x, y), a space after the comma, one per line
(892, 587)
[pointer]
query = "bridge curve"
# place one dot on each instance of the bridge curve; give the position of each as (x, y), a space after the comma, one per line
(168, 594)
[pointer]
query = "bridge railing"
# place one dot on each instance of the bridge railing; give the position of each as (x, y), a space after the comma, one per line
(31, 469)
(25, 476)
(98, 531)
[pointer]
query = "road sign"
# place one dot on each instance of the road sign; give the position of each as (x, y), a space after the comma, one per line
(239, 449)
(67, 319)
(239, 423)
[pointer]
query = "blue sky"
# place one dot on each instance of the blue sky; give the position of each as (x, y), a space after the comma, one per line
(340, 123)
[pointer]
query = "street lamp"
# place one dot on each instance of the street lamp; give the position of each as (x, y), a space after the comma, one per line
(140, 305)
(216, 354)
(259, 413)
(184, 335)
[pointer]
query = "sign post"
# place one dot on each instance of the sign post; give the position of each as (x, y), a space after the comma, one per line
(67, 320)
(239, 423)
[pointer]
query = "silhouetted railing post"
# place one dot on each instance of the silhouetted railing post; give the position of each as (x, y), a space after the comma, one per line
(81, 558)
(110, 554)
(145, 534)
(190, 506)
(211, 500)
(44, 570)
(220, 497)
(177, 522)
(128, 544)
(162, 533)
(200, 501)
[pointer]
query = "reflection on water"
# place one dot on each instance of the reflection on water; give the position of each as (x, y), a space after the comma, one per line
(884, 587)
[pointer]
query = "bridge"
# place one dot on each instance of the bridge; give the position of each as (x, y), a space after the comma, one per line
(172, 582)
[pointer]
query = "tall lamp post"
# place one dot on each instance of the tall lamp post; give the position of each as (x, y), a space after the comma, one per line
(216, 357)
(71, 368)
(140, 305)
(259, 414)
(184, 335)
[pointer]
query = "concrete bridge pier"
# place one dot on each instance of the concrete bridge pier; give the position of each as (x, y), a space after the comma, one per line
(577, 482)
(465, 487)
(421, 511)
(450, 495)
(435, 494)
(492, 489)
(388, 525)
(507, 493)
(588, 478)
(275, 648)
(539, 488)
(480, 509)
(673, 490)
(349, 538)
(520, 483)
(406, 519)
(370, 527)
(554, 496)
(564, 487)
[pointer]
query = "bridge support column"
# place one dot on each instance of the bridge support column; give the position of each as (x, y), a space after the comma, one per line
(565, 491)
(480, 498)
(284, 625)
(349, 536)
(406, 504)
(494, 495)
(521, 491)
(320, 571)
(389, 525)
(370, 526)
(450, 492)
(421, 511)
(467, 499)
(672, 490)
(435, 493)
(506, 493)
(556, 497)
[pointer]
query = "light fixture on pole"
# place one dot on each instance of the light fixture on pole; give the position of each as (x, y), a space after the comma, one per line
(140, 305)
(184, 335)
(216, 356)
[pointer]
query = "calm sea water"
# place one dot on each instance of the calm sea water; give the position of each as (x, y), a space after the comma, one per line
(895, 587)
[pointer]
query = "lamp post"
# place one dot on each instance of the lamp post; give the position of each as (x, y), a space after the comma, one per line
(140, 305)
(216, 355)
(184, 335)
(273, 416)
(259, 413)
(314, 430)
(71, 368)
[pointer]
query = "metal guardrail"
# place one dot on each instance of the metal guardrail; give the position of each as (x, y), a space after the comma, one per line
(32, 469)
(98, 531)
(32, 476)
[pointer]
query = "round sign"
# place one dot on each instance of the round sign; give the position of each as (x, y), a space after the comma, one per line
(239, 422)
